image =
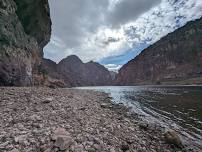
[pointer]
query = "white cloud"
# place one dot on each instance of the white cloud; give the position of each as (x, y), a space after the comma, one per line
(113, 67)
(83, 27)
(163, 19)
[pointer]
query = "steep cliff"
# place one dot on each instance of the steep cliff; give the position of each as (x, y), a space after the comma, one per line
(25, 28)
(175, 59)
(74, 72)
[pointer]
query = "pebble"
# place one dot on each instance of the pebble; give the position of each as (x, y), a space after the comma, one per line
(14, 150)
(47, 100)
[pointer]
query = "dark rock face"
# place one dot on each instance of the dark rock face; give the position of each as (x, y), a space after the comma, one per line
(76, 73)
(50, 67)
(176, 58)
(35, 18)
(25, 28)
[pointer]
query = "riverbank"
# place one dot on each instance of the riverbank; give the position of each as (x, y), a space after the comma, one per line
(50, 120)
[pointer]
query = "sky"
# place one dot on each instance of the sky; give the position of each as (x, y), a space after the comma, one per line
(112, 32)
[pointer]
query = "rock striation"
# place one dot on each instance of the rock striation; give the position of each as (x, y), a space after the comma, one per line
(74, 72)
(25, 28)
(175, 59)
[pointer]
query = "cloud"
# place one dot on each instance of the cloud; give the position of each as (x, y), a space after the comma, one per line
(125, 11)
(163, 19)
(113, 67)
(79, 24)
(100, 29)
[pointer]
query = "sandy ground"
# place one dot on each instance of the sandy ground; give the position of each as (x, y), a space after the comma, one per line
(50, 120)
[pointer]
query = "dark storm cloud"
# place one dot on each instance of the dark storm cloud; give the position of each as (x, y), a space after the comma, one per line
(110, 40)
(128, 10)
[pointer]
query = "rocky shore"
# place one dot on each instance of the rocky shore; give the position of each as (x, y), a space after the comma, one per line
(52, 120)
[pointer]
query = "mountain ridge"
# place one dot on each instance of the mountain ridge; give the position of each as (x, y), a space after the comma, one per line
(174, 58)
(73, 72)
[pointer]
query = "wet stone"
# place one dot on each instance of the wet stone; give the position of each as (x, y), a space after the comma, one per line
(172, 137)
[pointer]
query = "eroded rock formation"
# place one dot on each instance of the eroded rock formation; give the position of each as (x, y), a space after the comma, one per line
(25, 28)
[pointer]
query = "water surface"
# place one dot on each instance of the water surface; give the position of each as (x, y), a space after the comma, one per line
(178, 107)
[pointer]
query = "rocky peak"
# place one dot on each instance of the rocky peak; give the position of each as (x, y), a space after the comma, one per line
(72, 59)
(76, 73)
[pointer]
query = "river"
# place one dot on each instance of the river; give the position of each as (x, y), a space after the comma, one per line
(174, 107)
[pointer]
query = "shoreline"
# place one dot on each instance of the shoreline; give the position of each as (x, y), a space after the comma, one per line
(79, 120)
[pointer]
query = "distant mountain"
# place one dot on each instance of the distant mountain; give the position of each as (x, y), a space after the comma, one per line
(175, 59)
(74, 72)
(71, 70)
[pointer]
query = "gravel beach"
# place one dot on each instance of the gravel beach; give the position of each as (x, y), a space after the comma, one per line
(52, 120)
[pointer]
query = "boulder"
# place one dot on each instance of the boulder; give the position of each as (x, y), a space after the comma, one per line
(124, 147)
(172, 137)
(143, 125)
(62, 139)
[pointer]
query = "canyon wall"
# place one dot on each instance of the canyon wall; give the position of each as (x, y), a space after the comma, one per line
(175, 59)
(25, 28)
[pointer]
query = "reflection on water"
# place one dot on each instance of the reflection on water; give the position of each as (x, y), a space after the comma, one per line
(175, 106)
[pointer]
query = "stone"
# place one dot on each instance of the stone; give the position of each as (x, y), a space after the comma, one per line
(20, 139)
(35, 118)
(48, 100)
(90, 149)
(105, 105)
(144, 125)
(14, 150)
(62, 139)
(4, 144)
(70, 96)
(78, 148)
(172, 137)
(112, 149)
(63, 143)
(124, 147)
(82, 109)
(48, 150)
